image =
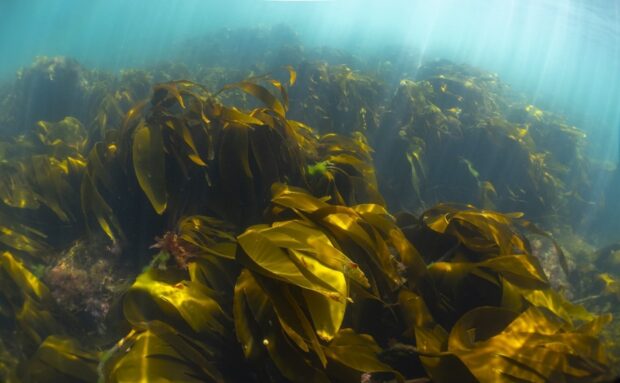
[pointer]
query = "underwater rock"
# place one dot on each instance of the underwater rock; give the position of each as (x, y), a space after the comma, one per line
(86, 279)
(547, 254)
(608, 259)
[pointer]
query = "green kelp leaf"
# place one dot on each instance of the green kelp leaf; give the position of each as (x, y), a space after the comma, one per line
(357, 353)
(262, 338)
(293, 259)
(60, 359)
(149, 164)
(188, 305)
(160, 354)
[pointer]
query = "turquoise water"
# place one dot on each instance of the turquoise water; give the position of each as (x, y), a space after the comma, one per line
(309, 191)
(561, 54)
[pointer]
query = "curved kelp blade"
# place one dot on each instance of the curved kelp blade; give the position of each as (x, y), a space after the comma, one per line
(159, 353)
(261, 93)
(185, 305)
(288, 251)
(533, 346)
(149, 164)
(278, 351)
(60, 359)
(350, 355)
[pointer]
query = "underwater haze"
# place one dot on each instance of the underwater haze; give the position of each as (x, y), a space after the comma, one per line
(309, 191)
(561, 53)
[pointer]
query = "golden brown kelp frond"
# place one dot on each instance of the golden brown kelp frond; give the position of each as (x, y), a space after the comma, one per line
(206, 247)
(344, 170)
(470, 253)
(487, 281)
(271, 345)
(188, 306)
(66, 138)
(40, 192)
(40, 176)
(19, 237)
(280, 339)
(413, 111)
(534, 346)
(184, 320)
(367, 233)
(299, 253)
(180, 310)
(464, 234)
(60, 358)
(316, 268)
(473, 90)
(458, 127)
(26, 311)
(186, 137)
(481, 231)
(336, 99)
(8, 364)
(255, 150)
(157, 351)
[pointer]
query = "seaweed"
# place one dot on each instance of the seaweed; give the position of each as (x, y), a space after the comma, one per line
(532, 161)
(233, 242)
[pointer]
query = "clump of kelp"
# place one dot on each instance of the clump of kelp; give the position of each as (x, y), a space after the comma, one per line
(173, 232)
(459, 137)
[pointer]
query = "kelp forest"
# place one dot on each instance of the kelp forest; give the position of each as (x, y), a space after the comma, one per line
(287, 213)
